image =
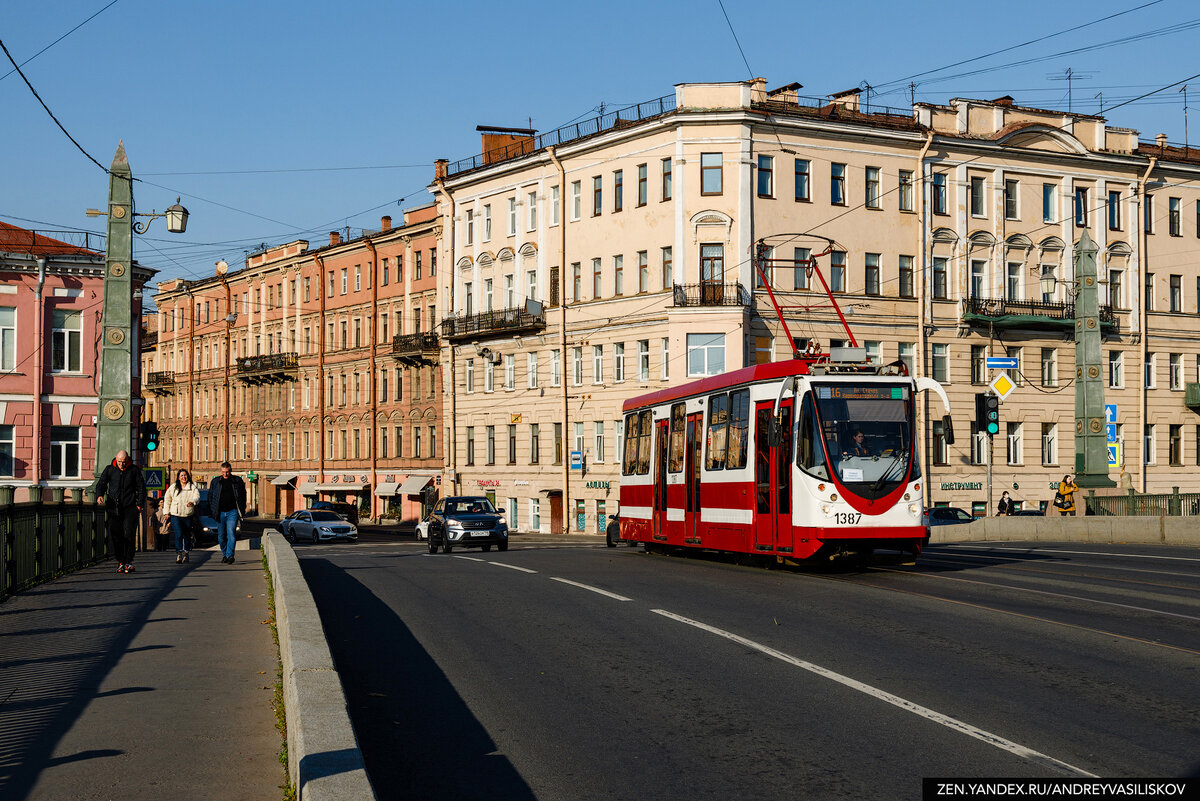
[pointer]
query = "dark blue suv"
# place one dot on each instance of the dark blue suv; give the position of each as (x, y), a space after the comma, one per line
(467, 521)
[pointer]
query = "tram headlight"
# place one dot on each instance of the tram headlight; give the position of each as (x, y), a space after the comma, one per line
(914, 509)
(826, 509)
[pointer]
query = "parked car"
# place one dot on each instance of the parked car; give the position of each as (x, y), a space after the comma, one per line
(467, 521)
(348, 511)
(612, 534)
(946, 516)
(422, 529)
(317, 525)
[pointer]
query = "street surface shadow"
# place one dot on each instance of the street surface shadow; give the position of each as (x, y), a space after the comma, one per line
(418, 737)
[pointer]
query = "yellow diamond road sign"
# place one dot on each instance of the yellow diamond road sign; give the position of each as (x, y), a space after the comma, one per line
(1002, 385)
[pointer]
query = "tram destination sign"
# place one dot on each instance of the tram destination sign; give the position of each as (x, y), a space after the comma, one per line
(862, 392)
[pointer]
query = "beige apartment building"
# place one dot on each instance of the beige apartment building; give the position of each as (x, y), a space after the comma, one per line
(313, 370)
(611, 258)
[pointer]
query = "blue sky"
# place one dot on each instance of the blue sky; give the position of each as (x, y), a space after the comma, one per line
(250, 109)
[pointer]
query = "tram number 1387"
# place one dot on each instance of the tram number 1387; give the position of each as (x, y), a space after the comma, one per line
(847, 518)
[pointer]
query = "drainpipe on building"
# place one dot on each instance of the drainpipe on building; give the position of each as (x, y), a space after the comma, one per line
(1145, 320)
(451, 460)
(320, 370)
(922, 344)
(39, 370)
(562, 340)
(372, 381)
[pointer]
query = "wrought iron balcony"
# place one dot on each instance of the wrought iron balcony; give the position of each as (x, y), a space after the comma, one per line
(1005, 313)
(711, 294)
(503, 322)
(275, 368)
(415, 349)
(162, 383)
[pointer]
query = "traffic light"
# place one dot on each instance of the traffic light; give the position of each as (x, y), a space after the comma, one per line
(148, 436)
(987, 413)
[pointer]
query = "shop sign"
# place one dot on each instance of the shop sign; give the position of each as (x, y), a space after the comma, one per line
(487, 482)
(962, 485)
(598, 485)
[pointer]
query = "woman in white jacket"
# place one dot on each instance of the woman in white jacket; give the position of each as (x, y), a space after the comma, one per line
(180, 504)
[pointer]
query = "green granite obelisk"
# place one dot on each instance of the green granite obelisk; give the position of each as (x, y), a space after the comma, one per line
(1091, 450)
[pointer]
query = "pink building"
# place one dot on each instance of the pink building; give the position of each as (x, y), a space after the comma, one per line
(51, 300)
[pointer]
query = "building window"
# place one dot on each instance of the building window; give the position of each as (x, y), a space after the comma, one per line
(1049, 367)
(619, 362)
(531, 370)
(1114, 210)
(1016, 353)
(668, 269)
(619, 275)
(554, 205)
(1151, 370)
(906, 190)
(643, 271)
(576, 281)
(802, 180)
(1148, 444)
(1148, 216)
(665, 358)
(531, 200)
(939, 278)
(1176, 289)
(872, 187)
(941, 453)
(1174, 216)
(837, 184)
(489, 375)
(1116, 294)
(800, 259)
(535, 514)
(766, 173)
(1175, 370)
(705, 354)
(618, 190)
(597, 275)
(1116, 369)
(597, 195)
(871, 276)
(66, 341)
(510, 371)
(906, 287)
(1081, 207)
(7, 451)
(1012, 281)
(978, 369)
(1048, 193)
(534, 443)
(555, 368)
(1011, 193)
(1175, 444)
(577, 366)
(598, 441)
(642, 182)
(512, 444)
(418, 263)
(666, 179)
(597, 364)
(64, 452)
(558, 443)
(643, 360)
(710, 174)
(1049, 443)
(1014, 443)
(470, 446)
(941, 363)
(939, 193)
(978, 278)
(907, 349)
(7, 338)
(978, 445)
(977, 194)
(837, 271)
(1149, 291)
(576, 200)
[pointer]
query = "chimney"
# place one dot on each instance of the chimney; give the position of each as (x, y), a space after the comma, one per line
(1006, 101)
(501, 144)
(335, 237)
(385, 223)
(441, 167)
(1160, 140)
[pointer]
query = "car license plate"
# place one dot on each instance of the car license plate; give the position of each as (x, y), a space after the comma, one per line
(480, 533)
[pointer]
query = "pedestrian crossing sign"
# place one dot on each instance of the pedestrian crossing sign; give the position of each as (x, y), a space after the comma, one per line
(1114, 454)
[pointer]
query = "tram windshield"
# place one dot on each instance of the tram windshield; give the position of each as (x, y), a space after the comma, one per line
(860, 432)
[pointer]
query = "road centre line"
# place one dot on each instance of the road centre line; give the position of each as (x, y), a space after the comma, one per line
(1075, 553)
(1032, 566)
(511, 567)
(589, 587)
(470, 558)
(895, 700)
(1042, 592)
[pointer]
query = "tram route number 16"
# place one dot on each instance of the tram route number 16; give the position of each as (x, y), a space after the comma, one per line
(847, 518)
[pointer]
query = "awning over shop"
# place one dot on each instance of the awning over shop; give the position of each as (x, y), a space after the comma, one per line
(387, 488)
(284, 478)
(313, 489)
(414, 484)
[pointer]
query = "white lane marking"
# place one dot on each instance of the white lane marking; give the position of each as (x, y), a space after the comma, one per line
(1008, 561)
(469, 558)
(1043, 592)
(895, 700)
(589, 587)
(1075, 553)
(512, 567)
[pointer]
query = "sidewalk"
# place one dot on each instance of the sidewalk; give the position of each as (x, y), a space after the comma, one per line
(150, 685)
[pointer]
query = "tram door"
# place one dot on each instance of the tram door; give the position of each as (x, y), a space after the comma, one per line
(691, 473)
(773, 479)
(659, 523)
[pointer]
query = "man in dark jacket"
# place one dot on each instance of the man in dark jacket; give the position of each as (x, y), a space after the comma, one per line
(227, 503)
(122, 490)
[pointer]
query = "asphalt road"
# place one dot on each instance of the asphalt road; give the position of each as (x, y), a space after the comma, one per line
(582, 672)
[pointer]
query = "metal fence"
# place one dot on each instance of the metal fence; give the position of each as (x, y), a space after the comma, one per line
(39, 541)
(1133, 504)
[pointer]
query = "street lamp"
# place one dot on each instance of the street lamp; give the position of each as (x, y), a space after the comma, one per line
(175, 215)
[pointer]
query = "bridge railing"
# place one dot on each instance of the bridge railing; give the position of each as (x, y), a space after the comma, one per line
(1142, 504)
(40, 541)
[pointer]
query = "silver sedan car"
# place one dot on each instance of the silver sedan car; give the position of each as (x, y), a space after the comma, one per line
(316, 525)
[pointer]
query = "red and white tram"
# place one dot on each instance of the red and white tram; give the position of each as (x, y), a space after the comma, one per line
(794, 459)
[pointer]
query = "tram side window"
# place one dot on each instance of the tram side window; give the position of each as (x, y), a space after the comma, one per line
(632, 429)
(739, 428)
(810, 455)
(678, 424)
(718, 432)
(643, 465)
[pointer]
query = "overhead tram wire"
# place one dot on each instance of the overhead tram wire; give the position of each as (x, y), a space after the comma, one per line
(735, 39)
(59, 39)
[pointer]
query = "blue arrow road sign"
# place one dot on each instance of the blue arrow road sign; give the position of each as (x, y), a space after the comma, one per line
(1000, 363)
(1112, 432)
(1110, 412)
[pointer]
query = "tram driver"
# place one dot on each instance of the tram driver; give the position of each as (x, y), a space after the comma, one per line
(858, 445)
